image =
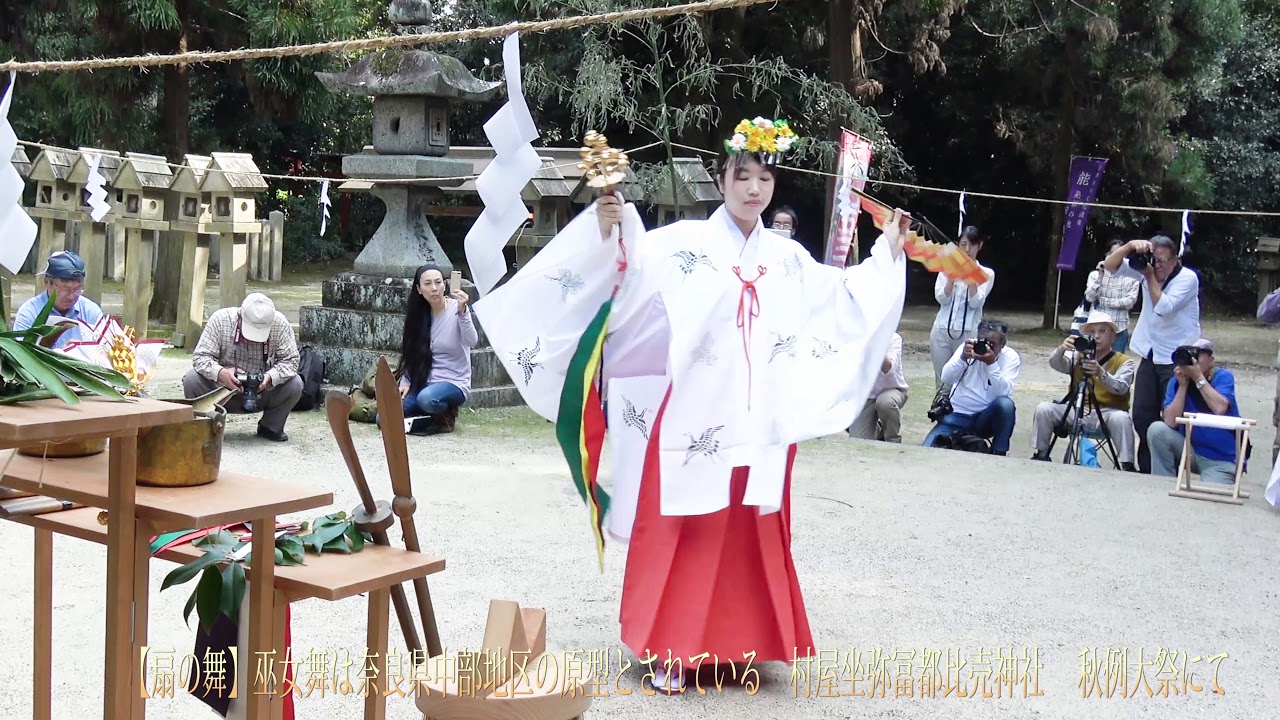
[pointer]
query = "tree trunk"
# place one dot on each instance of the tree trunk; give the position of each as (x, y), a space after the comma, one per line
(841, 43)
(176, 135)
(1061, 168)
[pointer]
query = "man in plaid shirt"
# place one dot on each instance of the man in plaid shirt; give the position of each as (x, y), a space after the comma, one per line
(1115, 295)
(250, 341)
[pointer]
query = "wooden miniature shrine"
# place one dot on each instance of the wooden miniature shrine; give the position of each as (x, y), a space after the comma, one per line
(142, 183)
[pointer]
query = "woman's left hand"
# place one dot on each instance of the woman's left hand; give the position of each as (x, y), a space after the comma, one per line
(463, 298)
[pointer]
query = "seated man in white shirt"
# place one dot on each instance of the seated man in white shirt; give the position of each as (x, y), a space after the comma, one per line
(1110, 375)
(881, 417)
(982, 374)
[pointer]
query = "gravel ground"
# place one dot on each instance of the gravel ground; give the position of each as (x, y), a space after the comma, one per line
(909, 558)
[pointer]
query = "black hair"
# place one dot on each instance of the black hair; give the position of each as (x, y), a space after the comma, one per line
(786, 210)
(1115, 243)
(415, 345)
(727, 161)
(1166, 242)
(971, 234)
(994, 327)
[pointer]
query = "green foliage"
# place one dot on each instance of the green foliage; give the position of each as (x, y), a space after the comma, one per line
(29, 371)
(222, 576)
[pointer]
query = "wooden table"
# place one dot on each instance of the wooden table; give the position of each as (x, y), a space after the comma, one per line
(108, 481)
(329, 576)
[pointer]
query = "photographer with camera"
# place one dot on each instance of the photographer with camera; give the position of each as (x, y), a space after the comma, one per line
(251, 349)
(1198, 386)
(982, 374)
(1109, 373)
(1170, 318)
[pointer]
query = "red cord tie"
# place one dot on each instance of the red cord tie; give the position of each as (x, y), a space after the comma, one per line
(748, 311)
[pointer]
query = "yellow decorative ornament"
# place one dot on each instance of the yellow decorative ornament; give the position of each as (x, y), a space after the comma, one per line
(770, 139)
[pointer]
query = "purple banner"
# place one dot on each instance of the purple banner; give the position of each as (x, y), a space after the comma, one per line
(1085, 177)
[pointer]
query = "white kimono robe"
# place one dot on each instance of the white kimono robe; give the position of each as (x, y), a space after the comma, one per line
(761, 345)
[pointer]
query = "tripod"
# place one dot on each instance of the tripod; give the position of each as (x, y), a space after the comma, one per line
(1080, 401)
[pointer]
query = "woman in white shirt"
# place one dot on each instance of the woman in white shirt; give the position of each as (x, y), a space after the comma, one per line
(961, 307)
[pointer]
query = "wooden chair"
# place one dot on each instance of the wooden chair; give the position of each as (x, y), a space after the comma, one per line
(1217, 493)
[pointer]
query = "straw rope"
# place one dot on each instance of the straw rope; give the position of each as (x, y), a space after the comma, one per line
(377, 43)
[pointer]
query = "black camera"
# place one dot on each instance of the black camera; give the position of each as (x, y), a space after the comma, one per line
(940, 408)
(1140, 261)
(249, 387)
(981, 346)
(1085, 345)
(1186, 355)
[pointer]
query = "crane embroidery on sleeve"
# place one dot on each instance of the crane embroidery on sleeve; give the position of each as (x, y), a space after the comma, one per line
(689, 261)
(527, 361)
(706, 444)
(569, 281)
(635, 419)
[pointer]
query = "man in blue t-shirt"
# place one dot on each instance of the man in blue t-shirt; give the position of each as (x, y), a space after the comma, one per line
(64, 279)
(1198, 387)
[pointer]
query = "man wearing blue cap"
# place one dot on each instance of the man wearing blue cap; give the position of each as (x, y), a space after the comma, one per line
(64, 280)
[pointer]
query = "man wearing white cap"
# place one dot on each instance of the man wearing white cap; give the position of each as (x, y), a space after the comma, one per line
(1198, 386)
(1111, 374)
(250, 349)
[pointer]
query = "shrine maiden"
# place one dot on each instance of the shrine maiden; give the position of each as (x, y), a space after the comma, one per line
(727, 344)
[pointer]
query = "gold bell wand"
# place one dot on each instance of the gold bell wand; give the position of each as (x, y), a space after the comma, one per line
(605, 169)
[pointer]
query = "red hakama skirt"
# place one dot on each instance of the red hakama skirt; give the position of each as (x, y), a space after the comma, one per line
(722, 584)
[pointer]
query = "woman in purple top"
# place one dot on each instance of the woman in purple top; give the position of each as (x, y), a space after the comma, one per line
(435, 354)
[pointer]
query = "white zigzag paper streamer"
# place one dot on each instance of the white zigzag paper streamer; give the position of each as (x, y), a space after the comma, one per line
(1186, 232)
(511, 132)
(99, 207)
(17, 229)
(962, 214)
(324, 206)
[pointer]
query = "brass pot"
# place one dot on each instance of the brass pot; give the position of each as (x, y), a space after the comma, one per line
(65, 448)
(182, 454)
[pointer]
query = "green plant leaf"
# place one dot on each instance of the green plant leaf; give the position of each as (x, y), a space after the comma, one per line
(186, 609)
(209, 597)
(338, 544)
(41, 372)
(233, 585)
(190, 570)
(356, 537)
(223, 541)
(323, 535)
(79, 375)
(43, 316)
(27, 396)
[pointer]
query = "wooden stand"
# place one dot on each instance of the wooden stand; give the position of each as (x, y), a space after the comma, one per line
(1216, 493)
(502, 680)
(135, 514)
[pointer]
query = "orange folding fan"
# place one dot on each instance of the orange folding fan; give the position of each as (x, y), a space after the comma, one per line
(947, 259)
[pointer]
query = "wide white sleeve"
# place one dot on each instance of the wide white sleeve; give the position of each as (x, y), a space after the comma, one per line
(536, 321)
(854, 312)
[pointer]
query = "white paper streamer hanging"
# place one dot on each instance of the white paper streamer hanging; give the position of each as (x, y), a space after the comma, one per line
(1186, 232)
(324, 206)
(17, 229)
(960, 230)
(94, 185)
(511, 132)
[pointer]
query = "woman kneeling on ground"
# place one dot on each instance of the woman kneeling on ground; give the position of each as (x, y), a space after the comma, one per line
(435, 354)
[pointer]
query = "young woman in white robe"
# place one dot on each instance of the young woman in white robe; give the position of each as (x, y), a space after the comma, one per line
(728, 345)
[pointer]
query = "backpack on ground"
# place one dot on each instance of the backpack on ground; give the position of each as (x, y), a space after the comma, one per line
(311, 369)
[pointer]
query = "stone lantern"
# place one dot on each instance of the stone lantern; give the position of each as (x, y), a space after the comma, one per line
(362, 316)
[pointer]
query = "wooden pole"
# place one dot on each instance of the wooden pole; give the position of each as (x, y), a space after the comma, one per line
(137, 279)
(276, 218)
(93, 250)
(194, 277)
(232, 269)
(122, 464)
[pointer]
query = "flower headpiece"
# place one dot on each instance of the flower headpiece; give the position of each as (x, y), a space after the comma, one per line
(767, 138)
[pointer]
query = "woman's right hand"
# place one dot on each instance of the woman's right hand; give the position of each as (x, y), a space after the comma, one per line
(609, 211)
(404, 391)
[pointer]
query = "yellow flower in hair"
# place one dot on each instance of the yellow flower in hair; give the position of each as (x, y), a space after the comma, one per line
(762, 136)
